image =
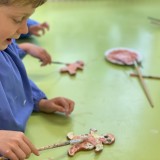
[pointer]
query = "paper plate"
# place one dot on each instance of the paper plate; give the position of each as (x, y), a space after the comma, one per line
(123, 56)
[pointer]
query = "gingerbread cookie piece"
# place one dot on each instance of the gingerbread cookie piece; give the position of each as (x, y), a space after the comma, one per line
(90, 141)
(72, 68)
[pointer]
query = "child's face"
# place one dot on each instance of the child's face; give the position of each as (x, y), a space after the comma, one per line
(13, 23)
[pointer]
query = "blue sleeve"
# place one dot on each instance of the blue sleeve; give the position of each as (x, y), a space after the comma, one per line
(37, 95)
(30, 22)
(21, 52)
(19, 96)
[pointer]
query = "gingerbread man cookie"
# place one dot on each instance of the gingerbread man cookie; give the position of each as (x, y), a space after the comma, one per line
(90, 141)
(72, 68)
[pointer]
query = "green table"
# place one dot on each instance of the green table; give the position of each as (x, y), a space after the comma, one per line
(106, 97)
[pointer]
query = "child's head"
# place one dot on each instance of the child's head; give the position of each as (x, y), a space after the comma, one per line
(34, 3)
(13, 18)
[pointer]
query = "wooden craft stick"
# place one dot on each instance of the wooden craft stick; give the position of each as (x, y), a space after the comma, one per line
(145, 76)
(154, 19)
(3, 158)
(74, 141)
(143, 83)
(57, 62)
(155, 22)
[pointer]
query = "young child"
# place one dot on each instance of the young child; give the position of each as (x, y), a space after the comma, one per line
(19, 95)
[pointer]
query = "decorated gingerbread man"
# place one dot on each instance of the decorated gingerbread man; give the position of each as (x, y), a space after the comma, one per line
(90, 141)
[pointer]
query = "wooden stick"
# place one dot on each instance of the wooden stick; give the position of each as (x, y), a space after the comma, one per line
(53, 146)
(156, 23)
(57, 62)
(143, 83)
(154, 19)
(144, 76)
(74, 141)
(3, 158)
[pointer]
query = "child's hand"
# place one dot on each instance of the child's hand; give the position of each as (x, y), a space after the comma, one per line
(37, 52)
(39, 29)
(15, 145)
(58, 104)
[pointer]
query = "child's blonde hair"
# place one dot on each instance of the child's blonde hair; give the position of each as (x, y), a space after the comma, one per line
(34, 3)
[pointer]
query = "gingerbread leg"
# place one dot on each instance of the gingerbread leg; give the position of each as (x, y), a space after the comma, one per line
(79, 147)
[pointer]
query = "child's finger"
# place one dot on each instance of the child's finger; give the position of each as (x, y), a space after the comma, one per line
(45, 25)
(31, 146)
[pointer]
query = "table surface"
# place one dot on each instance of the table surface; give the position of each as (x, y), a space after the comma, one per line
(106, 97)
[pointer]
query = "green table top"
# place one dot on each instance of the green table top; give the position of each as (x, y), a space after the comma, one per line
(106, 97)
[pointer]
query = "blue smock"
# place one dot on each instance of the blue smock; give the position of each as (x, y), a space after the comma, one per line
(18, 95)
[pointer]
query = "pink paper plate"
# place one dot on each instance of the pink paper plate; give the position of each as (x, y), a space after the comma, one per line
(123, 56)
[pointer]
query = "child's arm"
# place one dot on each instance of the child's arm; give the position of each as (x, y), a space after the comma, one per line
(15, 145)
(59, 104)
(39, 29)
(35, 28)
(41, 103)
(37, 52)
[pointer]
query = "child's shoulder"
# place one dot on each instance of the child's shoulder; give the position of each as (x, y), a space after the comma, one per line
(13, 49)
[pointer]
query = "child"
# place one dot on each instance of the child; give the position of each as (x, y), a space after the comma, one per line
(19, 95)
